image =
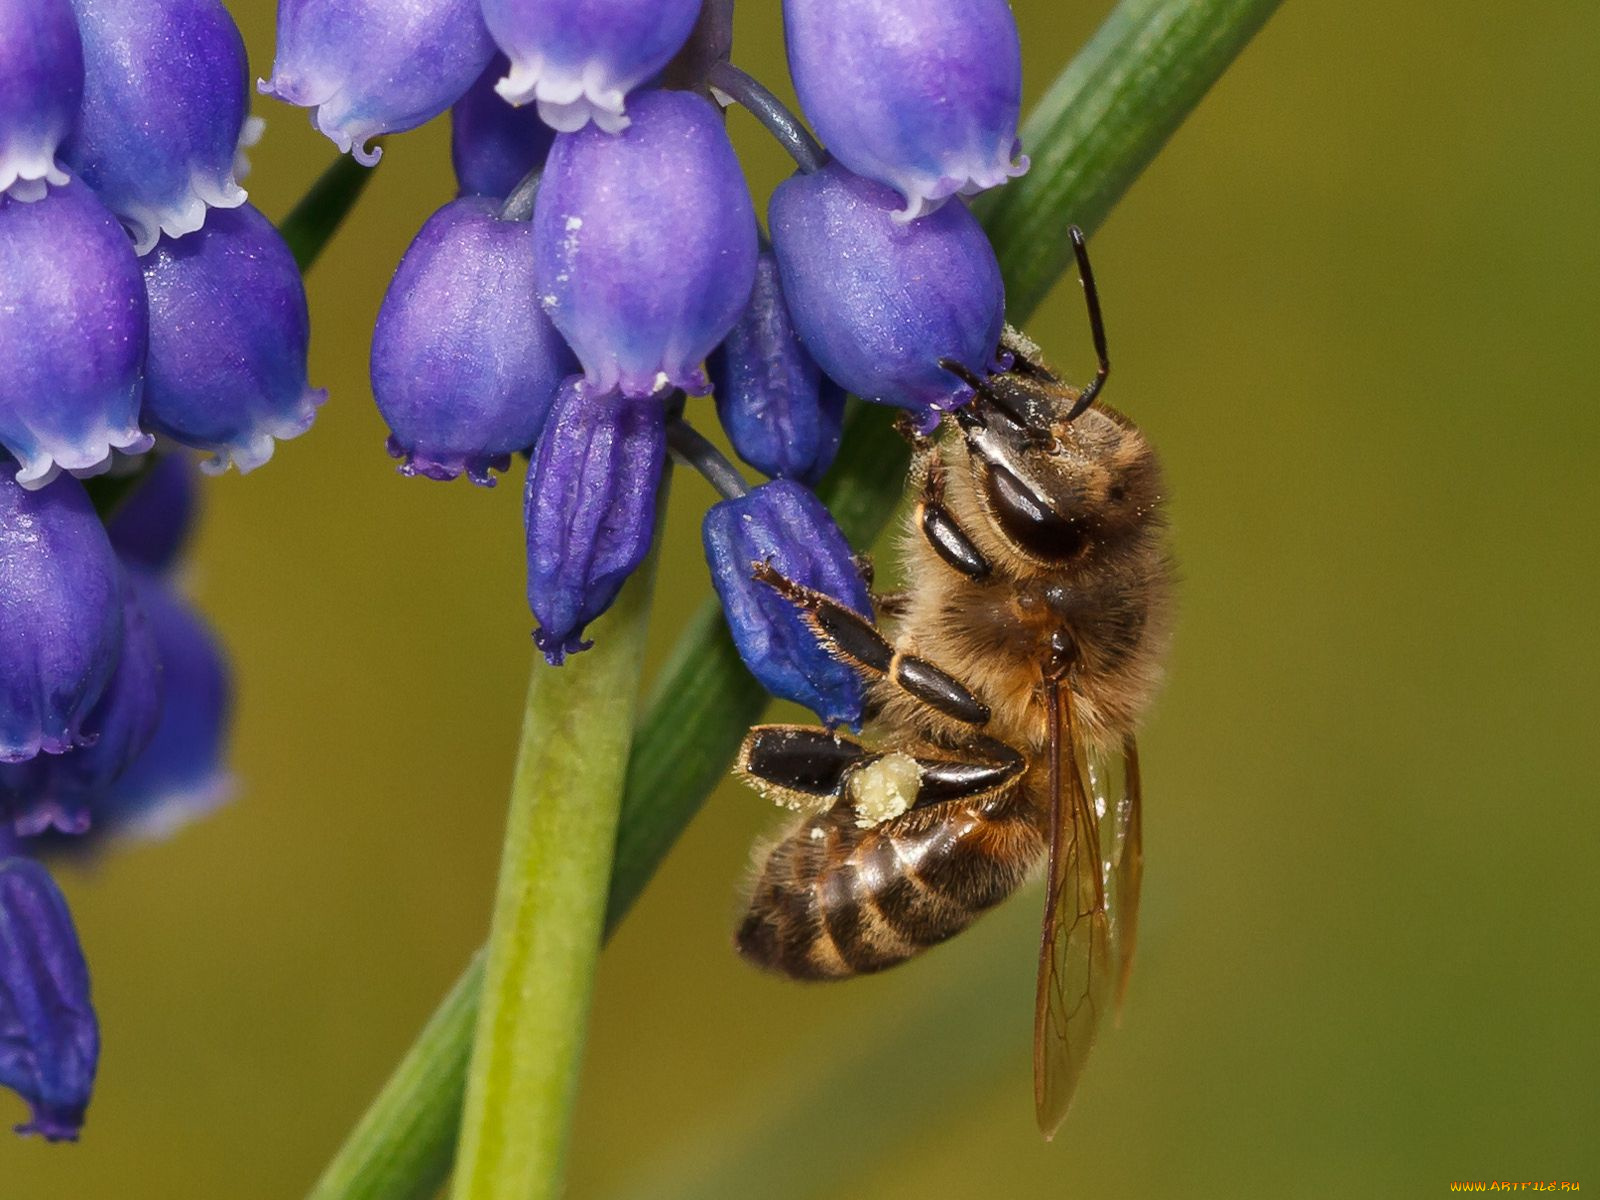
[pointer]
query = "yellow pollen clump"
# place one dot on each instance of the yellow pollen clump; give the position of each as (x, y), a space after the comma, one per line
(883, 790)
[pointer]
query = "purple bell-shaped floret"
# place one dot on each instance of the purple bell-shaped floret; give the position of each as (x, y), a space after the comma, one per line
(60, 616)
(579, 59)
(591, 504)
(229, 335)
(922, 95)
(880, 302)
(464, 361)
(369, 67)
(492, 145)
(41, 87)
(49, 1036)
(183, 772)
(54, 791)
(152, 522)
(165, 98)
(645, 244)
(782, 414)
(72, 336)
(783, 526)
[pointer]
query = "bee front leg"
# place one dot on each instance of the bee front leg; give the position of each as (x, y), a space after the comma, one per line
(856, 641)
(948, 539)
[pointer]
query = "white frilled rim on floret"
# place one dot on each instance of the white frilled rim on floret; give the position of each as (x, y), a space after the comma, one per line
(92, 453)
(967, 175)
(331, 107)
(25, 171)
(255, 446)
(569, 95)
(184, 213)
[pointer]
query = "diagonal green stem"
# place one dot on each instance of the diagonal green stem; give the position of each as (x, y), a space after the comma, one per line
(1143, 72)
(311, 224)
(549, 911)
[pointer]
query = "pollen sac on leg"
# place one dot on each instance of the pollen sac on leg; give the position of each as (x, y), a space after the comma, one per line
(783, 526)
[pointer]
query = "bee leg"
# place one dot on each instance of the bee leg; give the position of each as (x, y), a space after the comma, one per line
(856, 641)
(947, 538)
(801, 767)
(990, 766)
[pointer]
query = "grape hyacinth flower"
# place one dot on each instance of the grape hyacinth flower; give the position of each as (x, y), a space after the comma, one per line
(54, 791)
(645, 244)
(921, 95)
(49, 1036)
(492, 145)
(783, 525)
(60, 616)
(369, 67)
(182, 772)
(464, 361)
(579, 59)
(41, 88)
(165, 101)
(150, 525)
(72, 336)
(879, 302)
(782, 414)
(229, 335)
(591, 503)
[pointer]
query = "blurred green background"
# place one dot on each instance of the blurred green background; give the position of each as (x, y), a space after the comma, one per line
(1354, 303)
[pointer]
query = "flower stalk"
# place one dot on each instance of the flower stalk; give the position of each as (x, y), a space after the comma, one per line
(549, 911)
(1097, 129)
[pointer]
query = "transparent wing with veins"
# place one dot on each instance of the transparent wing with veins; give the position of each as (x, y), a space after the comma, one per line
(1091, 905)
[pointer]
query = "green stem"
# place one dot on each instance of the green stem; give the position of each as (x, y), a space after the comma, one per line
(310, 225)
(1145, 69)
(549, 910)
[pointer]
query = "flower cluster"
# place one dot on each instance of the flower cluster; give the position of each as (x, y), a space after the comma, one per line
(604, 262)
(141, 296)
(114, 701)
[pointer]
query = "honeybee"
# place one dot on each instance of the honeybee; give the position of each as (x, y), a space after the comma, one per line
(1001, 714)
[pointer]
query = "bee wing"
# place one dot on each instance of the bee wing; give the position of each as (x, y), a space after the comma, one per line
(1119, 794)
(1078, 953)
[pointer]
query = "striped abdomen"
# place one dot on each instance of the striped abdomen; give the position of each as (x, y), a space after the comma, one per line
(833, 901)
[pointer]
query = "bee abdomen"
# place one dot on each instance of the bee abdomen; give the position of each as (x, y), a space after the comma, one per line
(853, 901)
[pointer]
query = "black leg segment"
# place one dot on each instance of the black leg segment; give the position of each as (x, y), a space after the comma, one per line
(800, 758)
(852, 635)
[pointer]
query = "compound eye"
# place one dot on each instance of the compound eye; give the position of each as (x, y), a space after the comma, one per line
(1028, 521)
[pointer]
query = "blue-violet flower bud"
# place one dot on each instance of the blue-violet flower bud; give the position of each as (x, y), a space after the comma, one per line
(72, 335)
(784, 526)
(591, 504)
(60, 616)
(879, 302)
(368, 67)
(151, 523)
(464, 361)
(228, 340)
(645, 244)
(165, 97)
(580, 58)
(53, 791)
(492, 145)
(182, 773)
(782, 414)
(49, 1037)
(41, 87)
(922, 95)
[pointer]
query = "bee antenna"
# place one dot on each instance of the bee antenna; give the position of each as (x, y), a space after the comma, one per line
(1097, 323)
(981, 388)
